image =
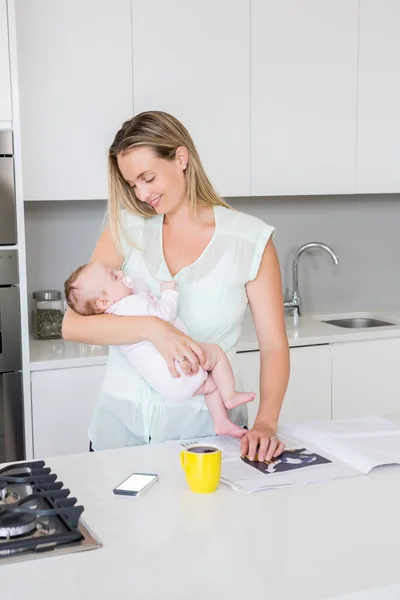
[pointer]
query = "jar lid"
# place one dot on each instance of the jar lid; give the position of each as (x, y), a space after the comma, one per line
(46, 295)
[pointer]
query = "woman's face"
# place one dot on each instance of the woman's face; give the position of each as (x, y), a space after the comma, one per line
(156, 181)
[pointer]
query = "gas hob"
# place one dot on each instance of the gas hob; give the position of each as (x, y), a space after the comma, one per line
(38, 517)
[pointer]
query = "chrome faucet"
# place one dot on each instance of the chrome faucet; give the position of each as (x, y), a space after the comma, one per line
(295, 301)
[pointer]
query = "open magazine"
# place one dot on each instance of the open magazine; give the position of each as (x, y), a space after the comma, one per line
(314, 452)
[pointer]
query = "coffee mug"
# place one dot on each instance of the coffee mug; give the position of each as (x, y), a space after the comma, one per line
(202, 466)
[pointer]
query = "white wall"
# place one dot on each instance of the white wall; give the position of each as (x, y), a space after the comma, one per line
(362, 230)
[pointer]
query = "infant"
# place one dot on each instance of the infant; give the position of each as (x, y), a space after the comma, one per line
(95, 288)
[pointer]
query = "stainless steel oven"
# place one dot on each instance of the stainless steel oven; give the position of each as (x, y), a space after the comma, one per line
(8, 228)
(11, 396)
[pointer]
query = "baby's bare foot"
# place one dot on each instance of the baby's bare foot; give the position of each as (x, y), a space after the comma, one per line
(239, 398)
(226, 427)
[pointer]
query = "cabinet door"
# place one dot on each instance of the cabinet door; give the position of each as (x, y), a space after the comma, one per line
(62, 405)
(378, 145)
(303, 96)
(309, 391)
(365, 378)
(192, 59)
(5, 90)
(75, 78)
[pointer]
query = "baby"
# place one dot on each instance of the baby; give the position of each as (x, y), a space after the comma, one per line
(95, 288)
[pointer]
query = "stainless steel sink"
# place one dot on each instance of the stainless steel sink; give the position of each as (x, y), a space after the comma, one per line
(358, 322)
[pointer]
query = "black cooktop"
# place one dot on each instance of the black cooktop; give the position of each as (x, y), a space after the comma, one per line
(37, 513)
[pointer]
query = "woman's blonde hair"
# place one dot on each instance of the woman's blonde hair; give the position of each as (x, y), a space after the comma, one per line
(164, 134)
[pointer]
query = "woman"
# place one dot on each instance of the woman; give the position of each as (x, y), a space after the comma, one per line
(165, 221)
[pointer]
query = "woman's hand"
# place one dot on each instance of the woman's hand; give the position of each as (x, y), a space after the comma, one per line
(174, 345)
(261, 440)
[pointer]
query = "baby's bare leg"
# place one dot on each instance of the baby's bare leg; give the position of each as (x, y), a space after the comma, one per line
(217, 363)
(218, 412)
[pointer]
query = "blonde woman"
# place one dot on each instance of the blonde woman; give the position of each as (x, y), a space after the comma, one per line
(166, 222)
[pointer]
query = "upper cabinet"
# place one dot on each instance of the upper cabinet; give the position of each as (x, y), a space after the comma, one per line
(192, 59)
(281, 97)
(5, 89)
(303, 96)
(75, 88)
(379, 97)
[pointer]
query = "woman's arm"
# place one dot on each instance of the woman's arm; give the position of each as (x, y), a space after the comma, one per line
(106, 329)
(266, 304)
(115, 330)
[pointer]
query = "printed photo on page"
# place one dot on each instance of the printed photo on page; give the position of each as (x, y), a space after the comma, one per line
(289, 460)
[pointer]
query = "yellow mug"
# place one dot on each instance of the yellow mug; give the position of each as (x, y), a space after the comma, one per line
(202, 466)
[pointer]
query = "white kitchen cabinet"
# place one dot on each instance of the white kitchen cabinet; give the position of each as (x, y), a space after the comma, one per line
(192, 59)
(5, 88)
(378, 147)
(365, 378)
(303, 96)
(62, 405)
(75, 88)
(309, 391)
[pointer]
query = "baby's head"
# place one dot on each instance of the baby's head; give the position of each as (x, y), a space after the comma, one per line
(94, 287)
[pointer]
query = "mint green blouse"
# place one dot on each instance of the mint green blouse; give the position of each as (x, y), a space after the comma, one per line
(212, 304)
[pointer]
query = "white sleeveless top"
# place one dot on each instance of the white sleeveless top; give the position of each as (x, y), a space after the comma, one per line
(212, 304)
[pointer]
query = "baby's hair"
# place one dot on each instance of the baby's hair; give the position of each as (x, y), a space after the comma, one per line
(73, 292)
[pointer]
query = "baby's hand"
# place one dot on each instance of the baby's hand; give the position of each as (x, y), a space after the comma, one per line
(167, 285)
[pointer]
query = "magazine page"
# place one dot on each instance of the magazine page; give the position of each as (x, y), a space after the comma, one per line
(363, 443)
(297, 465)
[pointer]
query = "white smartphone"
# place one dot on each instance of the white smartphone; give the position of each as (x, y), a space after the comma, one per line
(135, 484)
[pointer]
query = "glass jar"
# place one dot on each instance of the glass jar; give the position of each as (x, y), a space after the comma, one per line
(47, 314)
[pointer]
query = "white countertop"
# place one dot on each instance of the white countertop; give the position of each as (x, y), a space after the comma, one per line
(305, 331)
(59, 354)
(328, 540)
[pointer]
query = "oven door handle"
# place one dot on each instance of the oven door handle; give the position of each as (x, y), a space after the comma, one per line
(10, 330)
(8, 225)
(13, 406)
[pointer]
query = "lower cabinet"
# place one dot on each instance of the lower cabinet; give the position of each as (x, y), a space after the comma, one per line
(309, 391)
(62, 405)
(366, 378)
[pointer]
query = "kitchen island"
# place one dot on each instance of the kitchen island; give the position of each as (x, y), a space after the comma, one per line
(329, 540)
